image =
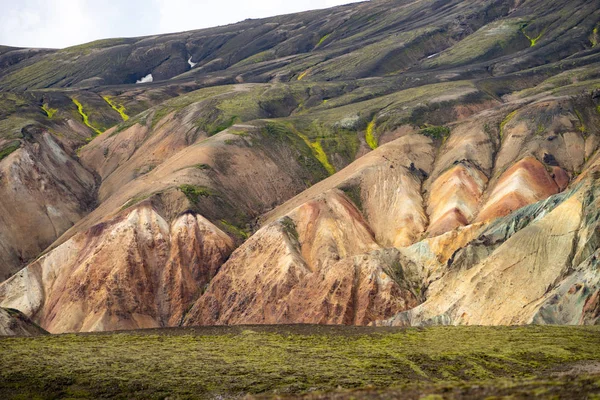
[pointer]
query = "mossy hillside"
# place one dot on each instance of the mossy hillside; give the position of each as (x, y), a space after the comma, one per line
(267, 55)
(53, 70)
(107, 62)
(399, 49)
(179, 103)
(341, 147)
(12, 128)
(333, 147)
(336, 130)
(234, 361)
(218, 108)
(371, 38)
(11, 103)
(240, 232)
(283, 136)
(387, 55)
(397, 106)
(436, 132)
(493, 40)
(86, 48)
(564, 81)
(422, 106)
(315, 145)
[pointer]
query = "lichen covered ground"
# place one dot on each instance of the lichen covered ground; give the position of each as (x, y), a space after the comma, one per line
(306, 360)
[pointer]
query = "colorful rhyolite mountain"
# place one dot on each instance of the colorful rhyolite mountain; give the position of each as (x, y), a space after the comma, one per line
(387, 162)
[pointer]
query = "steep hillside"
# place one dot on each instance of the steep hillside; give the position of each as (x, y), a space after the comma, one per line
(387, 162)
(14, 323)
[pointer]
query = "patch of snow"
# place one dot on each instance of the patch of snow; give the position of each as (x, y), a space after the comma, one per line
(433, 55)
(146, 79)
(192, 64)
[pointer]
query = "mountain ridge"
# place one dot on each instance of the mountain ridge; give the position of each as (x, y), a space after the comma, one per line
(353, 165)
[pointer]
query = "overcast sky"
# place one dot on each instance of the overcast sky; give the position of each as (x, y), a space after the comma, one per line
(63, 23)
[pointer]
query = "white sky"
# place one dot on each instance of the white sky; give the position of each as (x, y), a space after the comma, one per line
(63, 23)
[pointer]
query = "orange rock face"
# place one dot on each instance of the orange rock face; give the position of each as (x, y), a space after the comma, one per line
(309, 267)
(524, 183)
(455, 198)
(136, 272)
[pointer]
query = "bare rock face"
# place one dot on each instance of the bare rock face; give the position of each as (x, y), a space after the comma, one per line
(309, 268)
(15, 323)
(455, 198)
(524, 183)
(135, 272)
(535, 266)
(44, 191)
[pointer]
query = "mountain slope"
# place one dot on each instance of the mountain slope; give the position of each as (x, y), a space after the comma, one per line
(387, 162)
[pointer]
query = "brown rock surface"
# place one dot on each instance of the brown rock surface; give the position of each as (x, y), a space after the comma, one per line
(310, 269)
(137, 271)
(44, 191)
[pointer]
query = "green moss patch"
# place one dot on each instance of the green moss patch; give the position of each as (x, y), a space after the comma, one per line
(533, 40)
(194, 193)
(436, 132)
(234, 230)
(85, 117)
(315, 146)
(233, 361)
(369, 135)
(12, 147)
(322, 40)
(117, 107)
(49, 111)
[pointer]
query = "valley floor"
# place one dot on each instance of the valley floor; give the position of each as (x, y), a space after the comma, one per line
(315, 362)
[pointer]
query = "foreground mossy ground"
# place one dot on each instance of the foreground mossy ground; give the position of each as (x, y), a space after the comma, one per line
(295, 360)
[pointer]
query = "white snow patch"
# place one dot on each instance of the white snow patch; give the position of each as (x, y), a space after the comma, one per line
(146, 79)
(192, 64)
(433, 55)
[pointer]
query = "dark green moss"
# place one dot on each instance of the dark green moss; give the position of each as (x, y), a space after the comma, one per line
(436, 132)
(5, 152)
(194, 193)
